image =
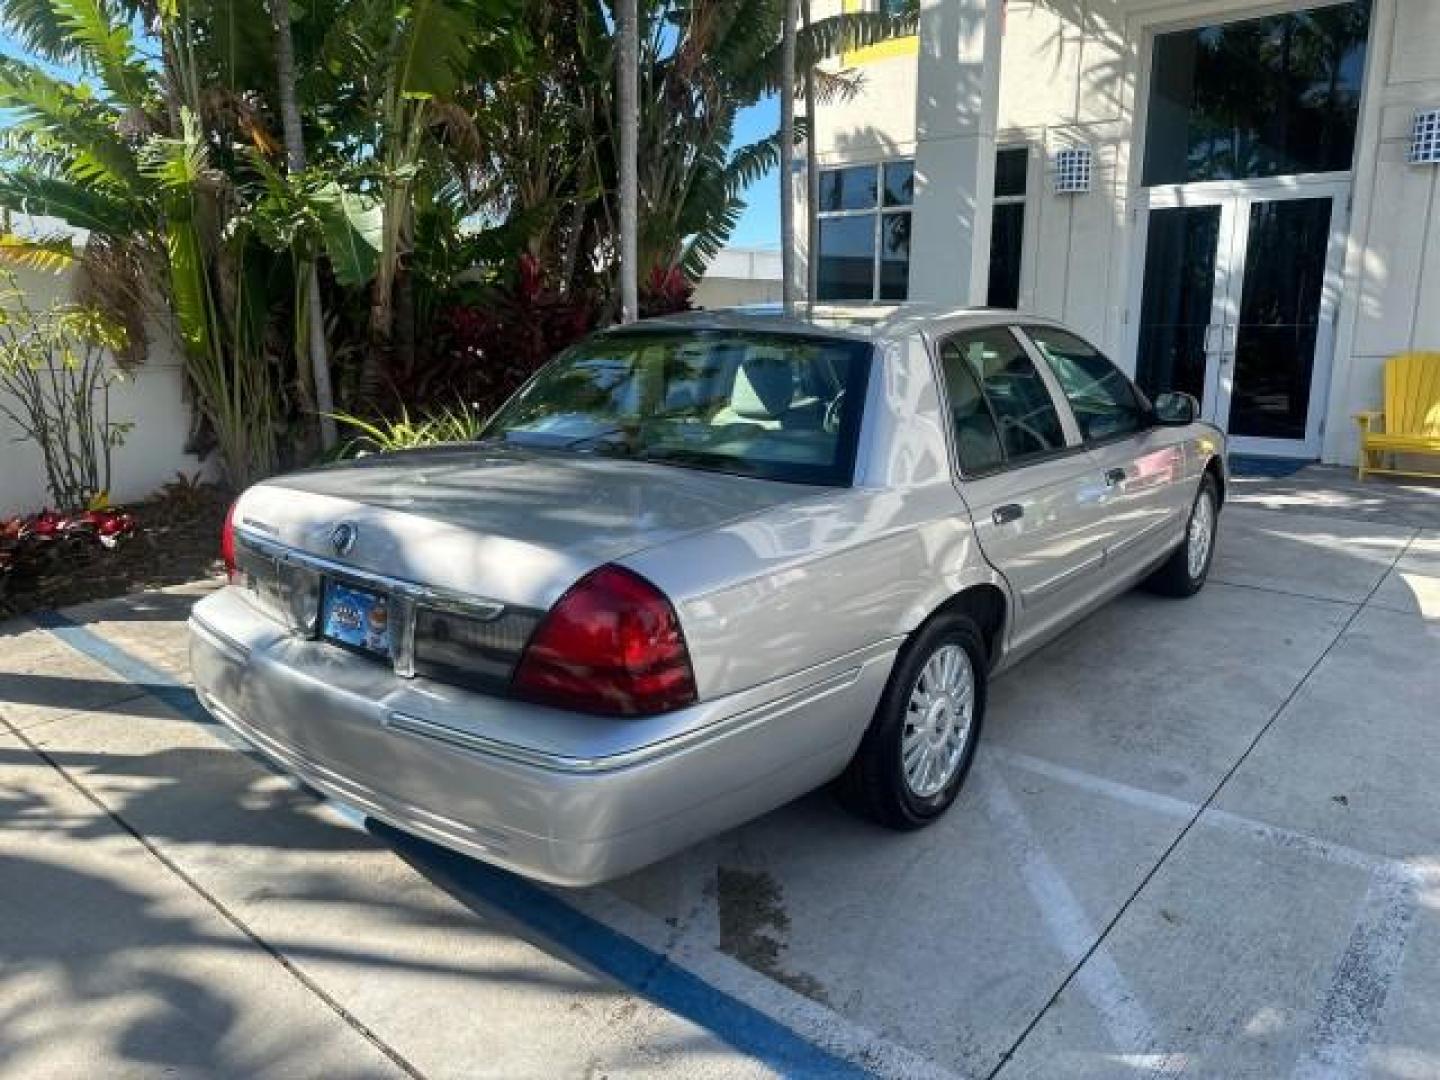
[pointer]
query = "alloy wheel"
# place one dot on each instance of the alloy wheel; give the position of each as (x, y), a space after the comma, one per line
(1201, 535)
(938, 719)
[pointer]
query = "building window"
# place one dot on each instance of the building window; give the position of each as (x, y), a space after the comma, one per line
(1007, 228)
(1272, 96)
(864, 227)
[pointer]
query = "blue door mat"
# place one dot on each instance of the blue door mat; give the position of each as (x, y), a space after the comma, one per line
(1272, 468)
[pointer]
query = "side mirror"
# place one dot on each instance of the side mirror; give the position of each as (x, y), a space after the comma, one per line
(1176, 409)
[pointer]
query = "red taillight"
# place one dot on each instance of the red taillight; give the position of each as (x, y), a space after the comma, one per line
(227, 543)
(611, 645)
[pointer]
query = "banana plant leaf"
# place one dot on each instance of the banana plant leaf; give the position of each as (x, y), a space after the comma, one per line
(352, 225)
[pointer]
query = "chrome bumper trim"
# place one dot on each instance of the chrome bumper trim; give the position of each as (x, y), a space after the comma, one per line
(419, 727)
(226, 644)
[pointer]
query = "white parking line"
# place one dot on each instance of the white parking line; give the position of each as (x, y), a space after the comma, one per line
(1339, 1038)
(1338, 1041)
(1125, 1019)
(1169, 806)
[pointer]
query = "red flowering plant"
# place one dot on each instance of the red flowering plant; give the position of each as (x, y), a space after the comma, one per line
(486, 345)
(35, 542)
(665, 291)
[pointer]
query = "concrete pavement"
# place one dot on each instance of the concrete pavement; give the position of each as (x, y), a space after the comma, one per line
(1201, 839)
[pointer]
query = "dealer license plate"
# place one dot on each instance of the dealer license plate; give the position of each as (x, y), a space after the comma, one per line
(356, 617)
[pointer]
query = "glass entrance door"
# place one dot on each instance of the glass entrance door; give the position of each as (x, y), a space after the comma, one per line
(1237, 303)
(1273, 344)
(1178, 310)
(1250, 136)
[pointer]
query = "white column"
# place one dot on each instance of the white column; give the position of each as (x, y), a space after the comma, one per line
(955, 113)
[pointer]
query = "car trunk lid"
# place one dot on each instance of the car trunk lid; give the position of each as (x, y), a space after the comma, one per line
(503, 523)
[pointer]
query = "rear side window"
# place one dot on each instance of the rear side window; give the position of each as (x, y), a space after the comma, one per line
(1000, 407)
(1104, 401)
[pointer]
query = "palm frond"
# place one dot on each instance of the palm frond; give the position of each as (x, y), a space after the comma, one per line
(831, 38)
(432, 49)
(81, 207)
(828, 39)
(176, 166)
(751, 163)
(41, 29)
(51, 116)
(835, 87)
(104, 43)
(189, 290)
(48, 254)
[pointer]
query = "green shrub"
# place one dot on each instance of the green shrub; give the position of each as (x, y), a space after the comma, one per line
(56, 372)
(456, 424)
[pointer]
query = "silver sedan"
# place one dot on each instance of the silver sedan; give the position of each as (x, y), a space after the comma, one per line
(695, 568)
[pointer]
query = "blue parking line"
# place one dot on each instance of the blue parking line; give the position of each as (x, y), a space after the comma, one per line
(648, 973)
(173, 693)
(635, 966)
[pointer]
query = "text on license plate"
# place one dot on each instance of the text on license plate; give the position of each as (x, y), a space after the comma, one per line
(357, 617)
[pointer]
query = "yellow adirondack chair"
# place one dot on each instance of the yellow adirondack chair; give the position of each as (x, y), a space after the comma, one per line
(1410, 423)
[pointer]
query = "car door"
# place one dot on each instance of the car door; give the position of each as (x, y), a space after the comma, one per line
(1024, 475)
(1139, 464)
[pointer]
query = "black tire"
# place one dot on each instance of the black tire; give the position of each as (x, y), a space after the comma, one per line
(874, 784)
(1174, 577)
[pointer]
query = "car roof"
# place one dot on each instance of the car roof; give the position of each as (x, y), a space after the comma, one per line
(865, 321)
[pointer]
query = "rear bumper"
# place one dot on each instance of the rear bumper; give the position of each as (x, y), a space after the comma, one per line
(561, 808)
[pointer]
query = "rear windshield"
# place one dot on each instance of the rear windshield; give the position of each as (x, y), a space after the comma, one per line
(775, 406)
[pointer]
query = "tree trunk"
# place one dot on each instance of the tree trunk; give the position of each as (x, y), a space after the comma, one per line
(380, 354)
(405, 328)
(787, 149)
(314, 314)
(627, 52)
(812, 177)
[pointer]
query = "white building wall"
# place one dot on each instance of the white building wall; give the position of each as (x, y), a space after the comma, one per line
(958, 83)
(1067, 78)
(1072, 72)
(151, 398)
(878, 124)
(1391, 296)
(738, 276)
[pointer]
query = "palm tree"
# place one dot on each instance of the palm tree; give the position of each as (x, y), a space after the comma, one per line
(812, 172)
(787, 143)
(313, 317)
(627, 52)
(701, 62)
(122, 152)
(425, 53)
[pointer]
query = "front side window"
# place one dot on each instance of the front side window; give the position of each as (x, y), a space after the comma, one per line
(776, 406)
(864, 232)
(1105, 403)
(1000, 408)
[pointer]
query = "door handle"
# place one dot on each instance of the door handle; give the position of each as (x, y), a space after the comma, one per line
(1003, 515)
(1114, 477)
